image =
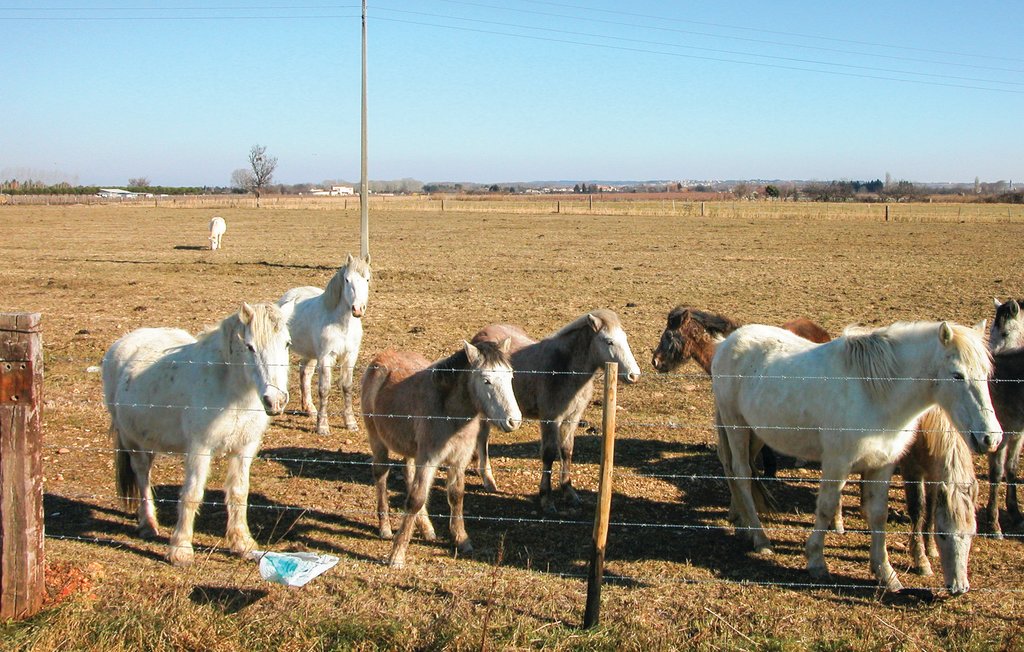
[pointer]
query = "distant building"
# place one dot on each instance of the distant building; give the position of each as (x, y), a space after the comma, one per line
(335, 191)
(116, 193)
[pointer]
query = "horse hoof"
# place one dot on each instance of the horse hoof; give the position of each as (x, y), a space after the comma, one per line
(465, 549)
(570, 497)
(819, 573)
(386, 534)
(242, 548)
(763, 550)
(924, 570)
(323, 431)
(548, 507)
(352, 425)
(397, 562)
(180, 556)
(148, 532)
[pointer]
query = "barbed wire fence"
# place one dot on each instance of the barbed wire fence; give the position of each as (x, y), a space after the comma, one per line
(787, 524)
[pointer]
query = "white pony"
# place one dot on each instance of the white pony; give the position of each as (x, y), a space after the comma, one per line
(848, 404)
(168, 392)
(327, 329)
(217, 228)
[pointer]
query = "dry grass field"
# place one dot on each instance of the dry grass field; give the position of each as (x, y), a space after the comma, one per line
(681, 579)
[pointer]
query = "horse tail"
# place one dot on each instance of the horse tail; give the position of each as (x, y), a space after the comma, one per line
(764, 501)
(127, 486)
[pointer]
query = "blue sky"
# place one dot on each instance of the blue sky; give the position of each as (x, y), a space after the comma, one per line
(493, 91)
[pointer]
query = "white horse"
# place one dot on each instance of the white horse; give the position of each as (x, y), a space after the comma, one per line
(168, 392)
(217, 228)
(848, 404)
(327, 329)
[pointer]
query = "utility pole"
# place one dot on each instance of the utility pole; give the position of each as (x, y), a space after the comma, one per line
(364, 184)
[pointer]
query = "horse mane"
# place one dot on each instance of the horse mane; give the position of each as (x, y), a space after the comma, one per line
(947, 448)
(333, 291)
(445, 372)
(869, 352)
(267, 321)
(607, 317)
(713, 323)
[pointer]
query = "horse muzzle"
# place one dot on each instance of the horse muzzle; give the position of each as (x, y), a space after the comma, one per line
(986, 442)
(510, 424)
(630, 377)
(274, 402)
(357, 311)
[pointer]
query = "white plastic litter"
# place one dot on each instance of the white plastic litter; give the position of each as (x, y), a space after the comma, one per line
(294, 568)
(93, 369)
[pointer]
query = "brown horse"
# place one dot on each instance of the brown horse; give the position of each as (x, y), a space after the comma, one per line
(941, 490)
(554, 382)
(430, 414)
(693, 333)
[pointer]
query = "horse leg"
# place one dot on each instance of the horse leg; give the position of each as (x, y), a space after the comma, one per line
(566, 439)
(875, 493)
(323, 367)
(426, 528)
(142, 463)
(996, 462)
(483, 458)
(739, 442)
(456, 486)
(380, 468)
(416, 501)
(833, 479)
(1012, 460)
(914, 490)
(345, 382)
(725, 457)
(548, 453)
(236, 494)
(197, 468)
(306, 387)
(770, 461)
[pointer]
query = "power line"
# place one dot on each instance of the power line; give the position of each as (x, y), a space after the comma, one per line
(705, 58)
(713, 50)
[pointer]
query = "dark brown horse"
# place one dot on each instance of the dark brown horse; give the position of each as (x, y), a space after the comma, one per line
(554, 382)
(1007, 389)
(430, 414)
(694, 333)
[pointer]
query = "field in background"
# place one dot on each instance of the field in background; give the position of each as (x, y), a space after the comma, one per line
(682, 204)
(687, 581)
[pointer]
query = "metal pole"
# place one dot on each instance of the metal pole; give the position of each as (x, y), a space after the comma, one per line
(592, 615)
(364, 184)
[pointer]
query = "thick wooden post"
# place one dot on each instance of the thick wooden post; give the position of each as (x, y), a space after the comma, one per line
(21, 465)
(592, 615)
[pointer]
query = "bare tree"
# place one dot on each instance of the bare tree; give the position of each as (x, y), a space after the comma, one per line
(262, 167)
(138, 182)
(242, 179)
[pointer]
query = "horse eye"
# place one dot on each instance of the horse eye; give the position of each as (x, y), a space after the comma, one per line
(609, 341)
(288, 344)
(487, 381)
(957, 375)
(250, 347)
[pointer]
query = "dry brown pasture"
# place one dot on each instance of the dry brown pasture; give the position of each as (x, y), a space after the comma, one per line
(683, 579)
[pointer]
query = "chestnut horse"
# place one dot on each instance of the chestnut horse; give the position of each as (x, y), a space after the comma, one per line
(693, 333)
(1006, 337)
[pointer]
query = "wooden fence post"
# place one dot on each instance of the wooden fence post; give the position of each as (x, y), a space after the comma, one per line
(21, 465)
(592, 615)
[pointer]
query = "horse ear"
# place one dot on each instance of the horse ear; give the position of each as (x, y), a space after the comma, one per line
(982, 326)
(246, 314)
(348, 261)
(1014, 307)
(505, 345)
(472, 353)
(675, 321)
(288, 309)
(366, 258)
(945, 333)
(595, 322)
(996, 301)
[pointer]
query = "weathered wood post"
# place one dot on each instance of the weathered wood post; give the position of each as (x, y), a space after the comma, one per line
(21, 465)
(592, 615)
(702, 209)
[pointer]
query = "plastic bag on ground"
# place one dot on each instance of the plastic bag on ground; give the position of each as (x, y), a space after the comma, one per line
(294, 568)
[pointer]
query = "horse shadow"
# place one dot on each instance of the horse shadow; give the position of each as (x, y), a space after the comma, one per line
(190, 247)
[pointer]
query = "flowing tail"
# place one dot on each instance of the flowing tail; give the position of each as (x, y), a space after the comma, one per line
(127, 487)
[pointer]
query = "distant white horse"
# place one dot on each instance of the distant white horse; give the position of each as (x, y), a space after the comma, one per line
(327, 329)
(848, 404)
(217, 228)
(168, 392)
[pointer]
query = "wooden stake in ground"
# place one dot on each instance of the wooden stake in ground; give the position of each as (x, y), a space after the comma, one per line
(21, 465)
(592, 615)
